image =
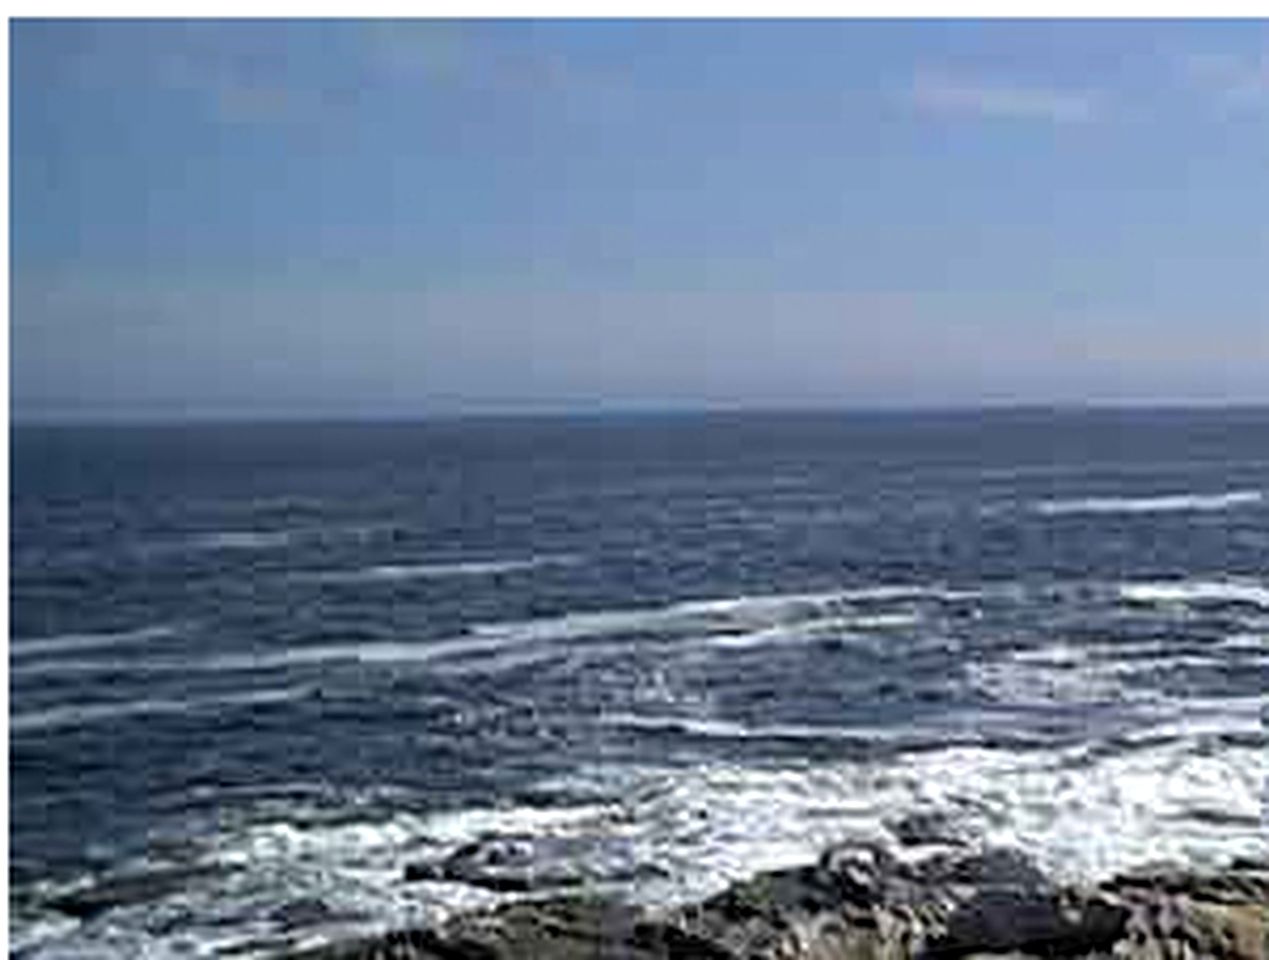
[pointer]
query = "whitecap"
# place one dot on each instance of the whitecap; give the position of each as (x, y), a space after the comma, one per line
(243, 540)
(718, 728)
(1251, 592)
(1083, 813)
(737, 620)
(1252, 642)
(384, 652)
(80, 715)
(1171, 503)
(1063, 674)
(74, 642)
(390, 573)
(479, 652)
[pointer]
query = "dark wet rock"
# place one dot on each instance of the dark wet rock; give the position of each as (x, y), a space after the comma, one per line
(272, 945)
(501, 864)
(521, 864)
(1178, 914)
(1244, 882)
(582, 930)
(860, 902)
(926, 828)
(1253, 864)
(427, 870)
(559, 930)
(1024, 920)
(309, 912)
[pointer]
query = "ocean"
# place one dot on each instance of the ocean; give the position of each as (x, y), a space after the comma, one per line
(257, 671)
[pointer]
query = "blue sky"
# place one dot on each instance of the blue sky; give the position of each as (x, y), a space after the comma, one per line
(408, 218)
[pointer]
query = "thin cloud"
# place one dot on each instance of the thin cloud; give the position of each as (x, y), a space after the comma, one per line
(1235, 81)
(436, 50)
(460, 55)
(237, 90)
(955, 97)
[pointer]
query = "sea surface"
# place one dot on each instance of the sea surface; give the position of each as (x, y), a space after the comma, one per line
(257, 670)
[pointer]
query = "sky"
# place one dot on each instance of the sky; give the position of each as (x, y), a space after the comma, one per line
(413, 218)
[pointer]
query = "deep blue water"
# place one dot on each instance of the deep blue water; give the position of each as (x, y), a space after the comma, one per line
(655, 652)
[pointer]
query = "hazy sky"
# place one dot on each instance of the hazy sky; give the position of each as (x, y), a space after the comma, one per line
(262, 218)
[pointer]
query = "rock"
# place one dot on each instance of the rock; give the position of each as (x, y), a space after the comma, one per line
(995, 867)
(1021, 920)
(499, 864)
(1178, 914)
(570, 930)
(521, 864)
(859, 902)
(926, 828)
(415, 872)
(1237, 932)
(308, 912)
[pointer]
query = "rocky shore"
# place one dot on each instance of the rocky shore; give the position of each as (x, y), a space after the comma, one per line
(859, 902)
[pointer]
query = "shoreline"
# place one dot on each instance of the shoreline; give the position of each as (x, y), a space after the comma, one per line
(859, 902)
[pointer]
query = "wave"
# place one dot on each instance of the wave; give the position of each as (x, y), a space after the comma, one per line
(1252, 642)
(663, 835)
(715, 728)
(864, 615)
(243, 540)
(741, 621)
(74, 642)
(737, 620)
(1175, 503)
(91, 714)
(1060, 675)
(1241, 591)
(383, 652)
(390, 573)
(710, 727)
(717, 822)
(463, 649)
(251, 540)
(669, 835)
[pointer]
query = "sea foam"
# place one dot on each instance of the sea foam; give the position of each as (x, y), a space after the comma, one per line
(21, 648)
(1172, 503)
(391, 573)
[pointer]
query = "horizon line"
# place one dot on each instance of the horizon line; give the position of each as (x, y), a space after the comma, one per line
(633, 411)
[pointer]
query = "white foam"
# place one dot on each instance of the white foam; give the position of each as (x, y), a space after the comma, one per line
(1253, 592)
(483, 651)
(92, 714)
(384, 652)
(1081, 812)
(1062, 674)
(389, 573)
(761, 606)
(715, 727)
(1254, 642)
(243, 539)
(519, 643)
(1081, 818)
(727, 622)
(1174, 503)
(75, 642)
(675, 619)
(736, 621)
(696, 726)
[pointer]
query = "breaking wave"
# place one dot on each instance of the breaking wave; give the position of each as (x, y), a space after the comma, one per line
(1175, 503)
(664, 836)
(390, 573)
(21, 648)
(90, 714)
